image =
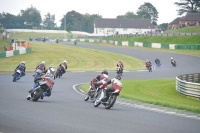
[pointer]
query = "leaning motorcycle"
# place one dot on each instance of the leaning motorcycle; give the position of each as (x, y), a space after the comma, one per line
(119, 71)
(112, 96)
(16, 75)
(44, 84)
(93, 93)
(59, 71)
(173, 63)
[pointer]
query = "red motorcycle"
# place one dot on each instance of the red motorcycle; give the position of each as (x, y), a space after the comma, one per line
(112, 96)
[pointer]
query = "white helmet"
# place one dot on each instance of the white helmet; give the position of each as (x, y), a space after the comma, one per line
(43, 62)
(171, 58)
(65, 61)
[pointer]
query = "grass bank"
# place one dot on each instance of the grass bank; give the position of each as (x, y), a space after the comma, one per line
(161, 39)
(157, 91)
(79, 59)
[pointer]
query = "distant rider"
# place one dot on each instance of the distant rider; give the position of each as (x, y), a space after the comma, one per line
(22, 68)
(51, 71)
(157, 61)
(120, 65)
(148, 63)
(63, 67)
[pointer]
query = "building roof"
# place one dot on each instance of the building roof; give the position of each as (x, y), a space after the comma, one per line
(123, 23)
(192, 16)
(175, 21)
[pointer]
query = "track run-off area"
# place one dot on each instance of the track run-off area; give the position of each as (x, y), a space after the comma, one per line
(65, 111)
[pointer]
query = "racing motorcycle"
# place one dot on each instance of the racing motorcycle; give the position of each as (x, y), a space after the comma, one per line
(44, 84)
(75, 42)
(16, 75)
(112, 96)
(158, 64)
(173, 63)
(149, 68)
(119, 71)
(92, 93)
(59, 71)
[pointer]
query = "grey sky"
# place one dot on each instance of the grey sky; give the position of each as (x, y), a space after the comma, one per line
(106, 8)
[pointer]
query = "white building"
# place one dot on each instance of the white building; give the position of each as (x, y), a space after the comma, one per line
(104, 26)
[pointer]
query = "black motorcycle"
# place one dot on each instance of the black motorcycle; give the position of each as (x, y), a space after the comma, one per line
(119, 71)
(44, 84)
(158, 64)
(75, 42)
(173, 63)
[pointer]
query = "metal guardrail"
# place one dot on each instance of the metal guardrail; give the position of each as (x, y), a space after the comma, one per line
(189, 84)
(134, 35)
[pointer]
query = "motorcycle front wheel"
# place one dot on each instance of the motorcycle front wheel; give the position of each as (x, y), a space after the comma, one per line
(37, 95)
(86, 97)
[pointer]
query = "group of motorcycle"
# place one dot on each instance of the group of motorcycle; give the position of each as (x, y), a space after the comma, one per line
(96, 94)
(158, 64)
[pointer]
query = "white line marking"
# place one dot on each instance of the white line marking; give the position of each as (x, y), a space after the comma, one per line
(154, 109)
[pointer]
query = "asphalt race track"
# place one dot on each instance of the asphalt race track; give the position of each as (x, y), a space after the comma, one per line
(65, 111)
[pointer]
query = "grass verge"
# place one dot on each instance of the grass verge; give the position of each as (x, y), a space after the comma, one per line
(79, 59)
(163, 93)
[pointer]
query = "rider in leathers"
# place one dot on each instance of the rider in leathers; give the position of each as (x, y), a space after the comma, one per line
(120, 65)
(96, 81)
(63, 67)
(22, 68)
(116, 85)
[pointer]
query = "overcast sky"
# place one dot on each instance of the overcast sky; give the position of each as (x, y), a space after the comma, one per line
(105, 8)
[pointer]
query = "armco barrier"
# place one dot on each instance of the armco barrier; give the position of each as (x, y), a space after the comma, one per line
(141, 44)
(189, 84)
(15, 52)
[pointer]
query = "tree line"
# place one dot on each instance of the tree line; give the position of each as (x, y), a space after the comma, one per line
(30, 18)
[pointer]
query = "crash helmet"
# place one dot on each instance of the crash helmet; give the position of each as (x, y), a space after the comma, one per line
(43, 62)
(65, 61)
(23, 62)
(105, 71)
(171, 58)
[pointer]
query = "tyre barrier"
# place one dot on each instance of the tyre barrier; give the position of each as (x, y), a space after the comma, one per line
(189, 85)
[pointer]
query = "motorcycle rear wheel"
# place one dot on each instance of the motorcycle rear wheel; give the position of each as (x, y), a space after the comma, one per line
(112, 99)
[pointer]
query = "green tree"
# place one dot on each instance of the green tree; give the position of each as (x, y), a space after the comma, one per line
(31, 17)
(188, 6)
(163, 26)
(78, 22)
(8, 21)
(49, 21)
(128, 15)
(148, 11)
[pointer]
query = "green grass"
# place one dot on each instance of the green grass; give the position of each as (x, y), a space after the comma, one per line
(161, 39)
(26, 35)
(79, 59)
(189, 29)
(158, 91)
